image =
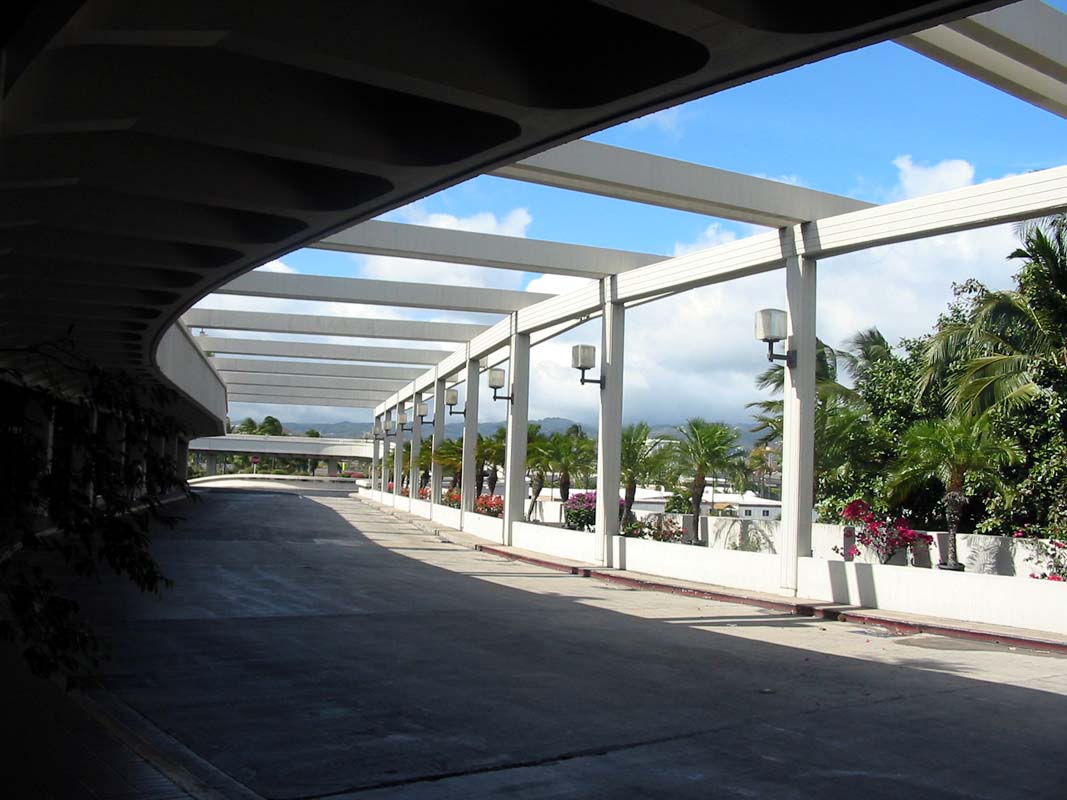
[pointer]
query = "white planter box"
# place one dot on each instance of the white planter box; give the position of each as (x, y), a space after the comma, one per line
(965, 596)
(734, 568)
(573, 545)
(420, 508)
(446, 516)
(491, 528)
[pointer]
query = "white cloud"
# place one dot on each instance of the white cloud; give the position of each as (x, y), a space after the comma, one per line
(668, 122)
(276, 266)
(916, 180)
(711, 236)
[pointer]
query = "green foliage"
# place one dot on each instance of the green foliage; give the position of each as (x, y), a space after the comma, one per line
(86, 509)
(677, 503)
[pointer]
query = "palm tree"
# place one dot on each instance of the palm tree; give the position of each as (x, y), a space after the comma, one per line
(538, 463)
(1008, 333)
(961, 453)
(270, 427)
(570, 455)
(642, 459)
(247, 425)
(494, 453)
(450, 456)
(425, 461)
(863, 351)
(702, 448)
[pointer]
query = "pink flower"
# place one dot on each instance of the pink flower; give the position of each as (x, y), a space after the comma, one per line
(1019, 534)
(857, 509)
(1055, 578)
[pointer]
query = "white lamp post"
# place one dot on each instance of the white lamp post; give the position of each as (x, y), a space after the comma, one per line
(496, 381)
(402, 418)
(583, 357)
(772, 325)
(421, 410)
(389, 428)
(451, 398)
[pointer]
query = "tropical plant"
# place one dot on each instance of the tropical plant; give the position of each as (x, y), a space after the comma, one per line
(881, 536)
(270, 427)
(493, 452)
(959, 453)
(491, 505)
(643, 460)
(569, 455)
(538, 462)
(702, 448)
(1008, 334)
(450, 456)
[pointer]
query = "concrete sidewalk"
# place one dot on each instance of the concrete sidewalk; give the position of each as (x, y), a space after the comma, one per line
(1045, 641)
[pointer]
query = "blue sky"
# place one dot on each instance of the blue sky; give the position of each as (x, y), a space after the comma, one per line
(878, 124)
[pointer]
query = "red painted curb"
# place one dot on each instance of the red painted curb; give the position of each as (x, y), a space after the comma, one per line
(668, 588)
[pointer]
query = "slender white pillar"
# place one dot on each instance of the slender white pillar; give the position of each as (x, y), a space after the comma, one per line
(375, 460)
(398, 459)
(518, 420)
(470, 437)
(798, 425)
(609, 443)
(385, 477)
(416, 447)
(436, 472)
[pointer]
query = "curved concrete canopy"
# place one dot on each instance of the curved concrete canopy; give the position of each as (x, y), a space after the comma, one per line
(144, 165)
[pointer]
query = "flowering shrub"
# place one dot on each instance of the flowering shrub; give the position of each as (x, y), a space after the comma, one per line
(1053, 560)
(667, 531)
(404, 492)
(491, 505)
(389, 487)
(579, 512)
(451, 499)
(424, 493)
(882, 536)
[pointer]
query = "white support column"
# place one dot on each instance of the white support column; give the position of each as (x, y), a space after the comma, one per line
(609, 441)
(416, 446)
(398, 460)
(518, 420)
(470, 437)
(373, 454)
(384, 477)
(211, 466)
(436, 472)
(798, 434)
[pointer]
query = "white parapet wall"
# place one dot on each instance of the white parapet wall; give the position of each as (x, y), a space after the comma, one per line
(965, 596)
(486, 527)
(421, 508)
(446, 515)
(734, 568)
(573, 545)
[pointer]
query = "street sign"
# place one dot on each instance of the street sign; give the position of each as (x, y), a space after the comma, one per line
(255, 459)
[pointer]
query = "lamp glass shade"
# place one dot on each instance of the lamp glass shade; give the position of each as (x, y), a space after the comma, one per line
(389, 424)
(403, 417)
(451, 397)
(583, 356)
(771, 325)
(496, 378)
(483, 364)
(421, 410)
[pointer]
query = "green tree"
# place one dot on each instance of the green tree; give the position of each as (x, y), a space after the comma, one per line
(702, 448)
(494, 451)
(247, 425)
(450, 456)
(312, 433)
(538, 462)
(643, 460)
(270, 427)
(570, 455)
(959, 453)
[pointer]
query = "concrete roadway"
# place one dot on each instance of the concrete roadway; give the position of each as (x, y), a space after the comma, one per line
(316, 647)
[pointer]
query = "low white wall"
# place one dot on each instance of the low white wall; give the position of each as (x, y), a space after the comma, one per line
(548, 511)
(734, 568)
(573, 545)
(991, 599)
(420, 508)
(491, 528)
(446, 515)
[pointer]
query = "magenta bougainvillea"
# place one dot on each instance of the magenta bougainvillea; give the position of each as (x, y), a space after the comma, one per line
(882, 537)
(1053, 561)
